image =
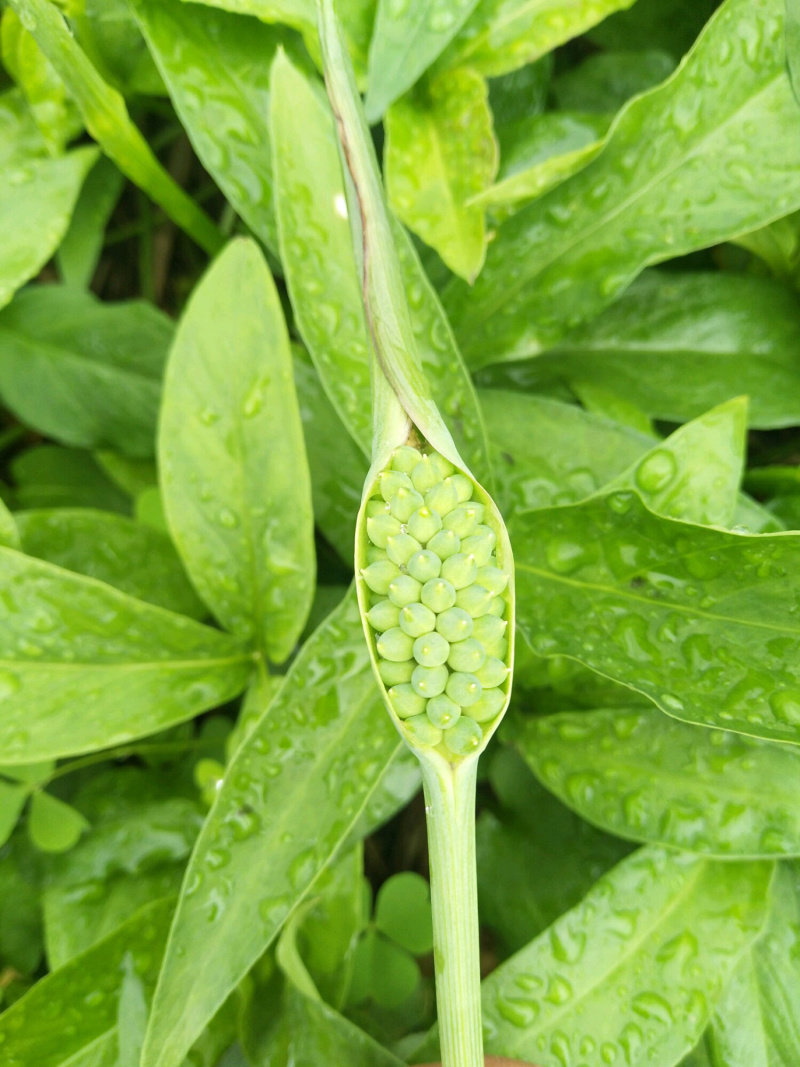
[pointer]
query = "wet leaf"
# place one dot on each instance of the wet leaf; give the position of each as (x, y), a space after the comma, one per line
(639, 774)
(318, 756)
(607, 80)
(698, 620)
(320, 1035)
(235, 481)
(675, 175)
(47, 476)
(793, 44)
(83, 666)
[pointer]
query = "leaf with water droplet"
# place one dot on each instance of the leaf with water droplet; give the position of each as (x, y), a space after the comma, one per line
(236, 489)
(639, 774)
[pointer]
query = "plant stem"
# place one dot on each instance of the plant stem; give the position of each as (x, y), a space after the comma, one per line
(450, 808)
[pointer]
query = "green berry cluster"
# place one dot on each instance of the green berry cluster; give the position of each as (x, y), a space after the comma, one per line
(436, 601)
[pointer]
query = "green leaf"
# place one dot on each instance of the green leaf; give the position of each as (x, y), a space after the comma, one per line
(441, 152)
(301, 14)
(86, 373)
(384, 972)
(698, 620)
(291, 797)
(20, 905)
(777, 245)
(107, 32)
(635, 968)
(79, 252)
(9, 532)
(672, 25)
(606, 81)
(695, 473)
(406, 39)
(678, 344)
(639, 774)
(319, 1035)
(12, 800)
(793, 44)
(107, 120)
(728, 164)
(47, 476)
(235, 481)
(403, 912)
(86, 991)
(217, 68)
(38, 195)
(54, 826)
(502, 35)
(134, 558)
(83, 666)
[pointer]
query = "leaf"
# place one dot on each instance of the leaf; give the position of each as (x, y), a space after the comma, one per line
(695, 474)
(83, 666)
(645, 777)
(217, 68)
(54, 826)
(569, 254)
(678, 344)
(406, 39)
(793, 44)
(671, 25)
(9, 532)
(635, 968)
(316, 758)
(37, 197)
(106, 117)
(318, 1034)
(20, 905)
(606, 81)
(135, 559)
(47, 476)
(13, 796)
(235, 481)
(106, 30)
(440, 152)
(698, 620)
(79, 252)
(403, 912)
(385, 974)
(86, 373)
(86, 991)
(777, 245)
(502, 35)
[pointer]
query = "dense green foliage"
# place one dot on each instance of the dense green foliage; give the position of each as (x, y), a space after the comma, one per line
(212, 842)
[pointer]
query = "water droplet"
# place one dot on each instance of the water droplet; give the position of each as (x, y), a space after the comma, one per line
(656, 471)
(785, 706)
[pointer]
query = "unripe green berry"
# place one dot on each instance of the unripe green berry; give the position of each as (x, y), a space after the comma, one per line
(379, 575)
(416, 620)
(395, 673)
(430, 681)
(423, 524)
(462, 486)
(374, 554)
(394, 645)
(443, 712)
(405, 458)
(488, 707)
(383, 615)
(454, 625)
(422, 732)
(404, 503)
(464, 520)
(493, 579)
(382, 526)
(443, 466)
(464, 737)
(465, 689)
(375, 507)
(441, 498)
(480, 545)
(438, 595)
(424, 565)
(492, 673)
(488, 629)
(431, 650)
(466, 656)
(404, 590)
(460, 570)
(390, 482)
(497, 607)
(425, 475)
(406, 701)
(445, 544)
(401, 547)
(475, 600)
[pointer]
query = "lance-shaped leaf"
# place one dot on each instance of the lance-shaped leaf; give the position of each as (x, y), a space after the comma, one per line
(793, 44)
(701, 621)
(639, 774)
(679, 344)
(672, 177)
(290, 800)
(79, 252)
(83, 666)
(502, 35)
(440, 153)
(607, 80)
(237, 491)
(37, 197)
(635, 969)
(106, 117)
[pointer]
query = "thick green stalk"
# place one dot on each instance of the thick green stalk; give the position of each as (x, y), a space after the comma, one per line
(450, 808)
